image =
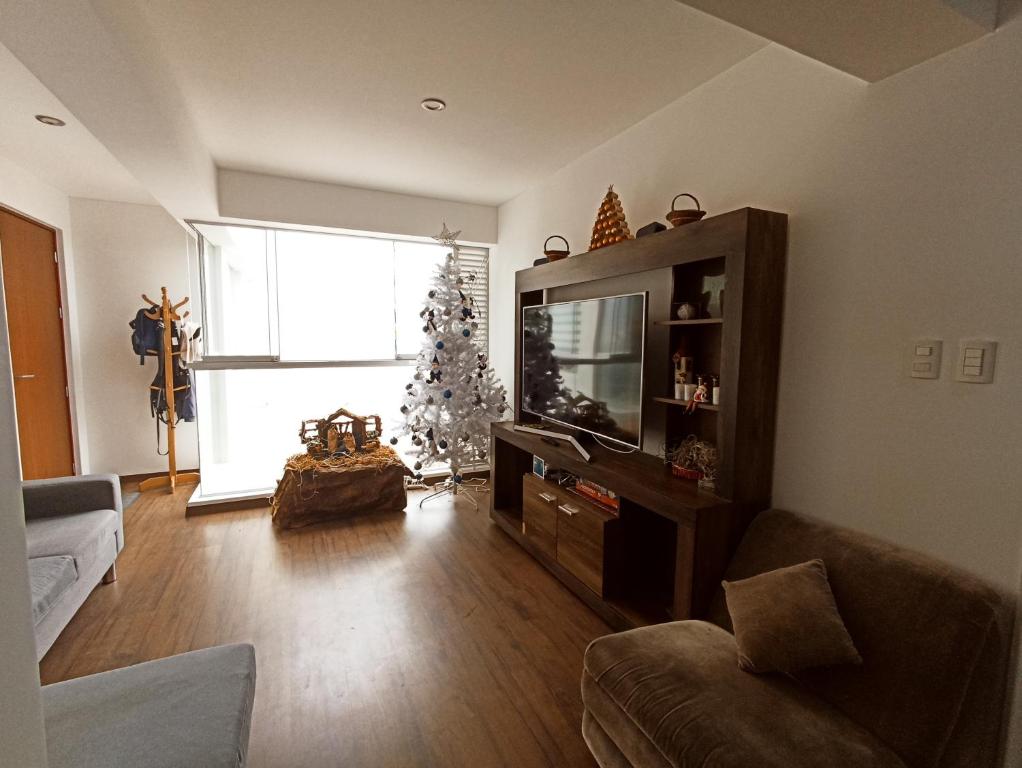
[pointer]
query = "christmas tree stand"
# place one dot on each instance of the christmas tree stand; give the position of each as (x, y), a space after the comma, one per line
(458, 489)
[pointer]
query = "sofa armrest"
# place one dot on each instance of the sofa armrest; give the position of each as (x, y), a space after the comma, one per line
(71, 495)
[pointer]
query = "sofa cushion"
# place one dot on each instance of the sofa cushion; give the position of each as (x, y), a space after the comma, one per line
(786, 620)
(83, 536)
(49, 578)
(920, 626)
(671, 694)
(191, 710)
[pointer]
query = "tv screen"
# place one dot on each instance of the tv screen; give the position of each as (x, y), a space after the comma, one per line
(582, 365)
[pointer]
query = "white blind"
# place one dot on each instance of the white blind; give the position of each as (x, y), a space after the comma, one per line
(477, 262)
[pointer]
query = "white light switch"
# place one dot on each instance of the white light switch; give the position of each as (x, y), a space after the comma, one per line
(924, 359)
(976, 361)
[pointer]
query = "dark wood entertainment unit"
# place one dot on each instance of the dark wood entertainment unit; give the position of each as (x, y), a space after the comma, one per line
(661, 557)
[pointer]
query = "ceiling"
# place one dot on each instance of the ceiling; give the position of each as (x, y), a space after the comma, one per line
(329, 91)
(69, 158)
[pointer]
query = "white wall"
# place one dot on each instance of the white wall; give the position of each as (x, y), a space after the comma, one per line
(904, 202)
(121, 251)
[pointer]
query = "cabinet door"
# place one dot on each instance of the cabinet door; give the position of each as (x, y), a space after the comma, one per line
(580, 540)
(539, 514)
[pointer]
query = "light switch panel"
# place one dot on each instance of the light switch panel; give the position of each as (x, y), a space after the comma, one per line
(975, 363)
(924, 359)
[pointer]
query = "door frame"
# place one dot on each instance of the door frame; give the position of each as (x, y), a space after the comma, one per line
(69, 348)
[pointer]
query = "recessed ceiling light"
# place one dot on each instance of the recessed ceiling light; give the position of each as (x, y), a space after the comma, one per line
(49, 120)
(434, 105)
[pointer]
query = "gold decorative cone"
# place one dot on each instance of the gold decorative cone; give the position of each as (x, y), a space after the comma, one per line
(611, 226)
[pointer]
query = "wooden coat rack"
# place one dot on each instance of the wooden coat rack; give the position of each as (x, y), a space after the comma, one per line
(168, 314)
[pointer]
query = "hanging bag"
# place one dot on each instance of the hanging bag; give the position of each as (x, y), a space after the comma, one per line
(145, 334)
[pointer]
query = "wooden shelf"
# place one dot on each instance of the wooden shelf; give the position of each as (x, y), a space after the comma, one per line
(700, 406)
(700, 321)
(676, 539)
(638, 476)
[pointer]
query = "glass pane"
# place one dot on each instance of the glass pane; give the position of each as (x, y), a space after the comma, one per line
(236, 289)
(415, 266)
(335, 297)
(249, 419)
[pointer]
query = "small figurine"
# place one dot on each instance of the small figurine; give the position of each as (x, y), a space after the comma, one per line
(701, 395)
(434, 370)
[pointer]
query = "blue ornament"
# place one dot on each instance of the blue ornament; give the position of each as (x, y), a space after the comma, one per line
(442, 444)
(448, 394)
(457, 479)
(439, 345)
(466, 333)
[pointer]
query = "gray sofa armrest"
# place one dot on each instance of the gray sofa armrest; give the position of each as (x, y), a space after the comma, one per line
(73, 495)
(192, 710)
(69, 495)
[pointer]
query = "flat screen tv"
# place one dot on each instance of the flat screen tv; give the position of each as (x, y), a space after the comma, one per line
(582, 365)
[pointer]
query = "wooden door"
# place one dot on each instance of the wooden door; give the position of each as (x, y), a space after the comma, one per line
(36, 328)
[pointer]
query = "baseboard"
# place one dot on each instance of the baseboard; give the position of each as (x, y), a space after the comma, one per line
(216, 507)
(147, 475)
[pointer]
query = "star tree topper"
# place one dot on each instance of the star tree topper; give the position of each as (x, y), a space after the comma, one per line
(446, 237)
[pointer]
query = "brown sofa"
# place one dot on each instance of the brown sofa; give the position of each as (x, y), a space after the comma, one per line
(929, 694)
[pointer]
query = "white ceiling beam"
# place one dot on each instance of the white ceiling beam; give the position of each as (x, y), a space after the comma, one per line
(258, 197)
(983, 12)
(870, 39)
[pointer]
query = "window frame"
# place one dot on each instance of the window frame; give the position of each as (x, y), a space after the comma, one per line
(477, 254)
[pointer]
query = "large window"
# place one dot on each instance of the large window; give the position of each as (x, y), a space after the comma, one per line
(296, 324)
(289, 296)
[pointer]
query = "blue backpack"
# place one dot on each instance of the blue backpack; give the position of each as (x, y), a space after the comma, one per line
(145, 334)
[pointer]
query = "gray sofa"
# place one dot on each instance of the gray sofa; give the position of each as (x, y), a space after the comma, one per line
(188, 711)
(74, 529)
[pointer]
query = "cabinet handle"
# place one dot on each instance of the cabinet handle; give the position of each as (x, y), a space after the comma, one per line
(24, 375)
(569, 510)
(548, 497)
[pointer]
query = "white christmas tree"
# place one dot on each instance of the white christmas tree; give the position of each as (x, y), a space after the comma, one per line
(454, 394)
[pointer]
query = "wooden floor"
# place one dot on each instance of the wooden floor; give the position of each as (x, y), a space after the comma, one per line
(425, 638)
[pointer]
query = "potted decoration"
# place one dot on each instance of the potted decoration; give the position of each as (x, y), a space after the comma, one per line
(695, 459)
(683, 459)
